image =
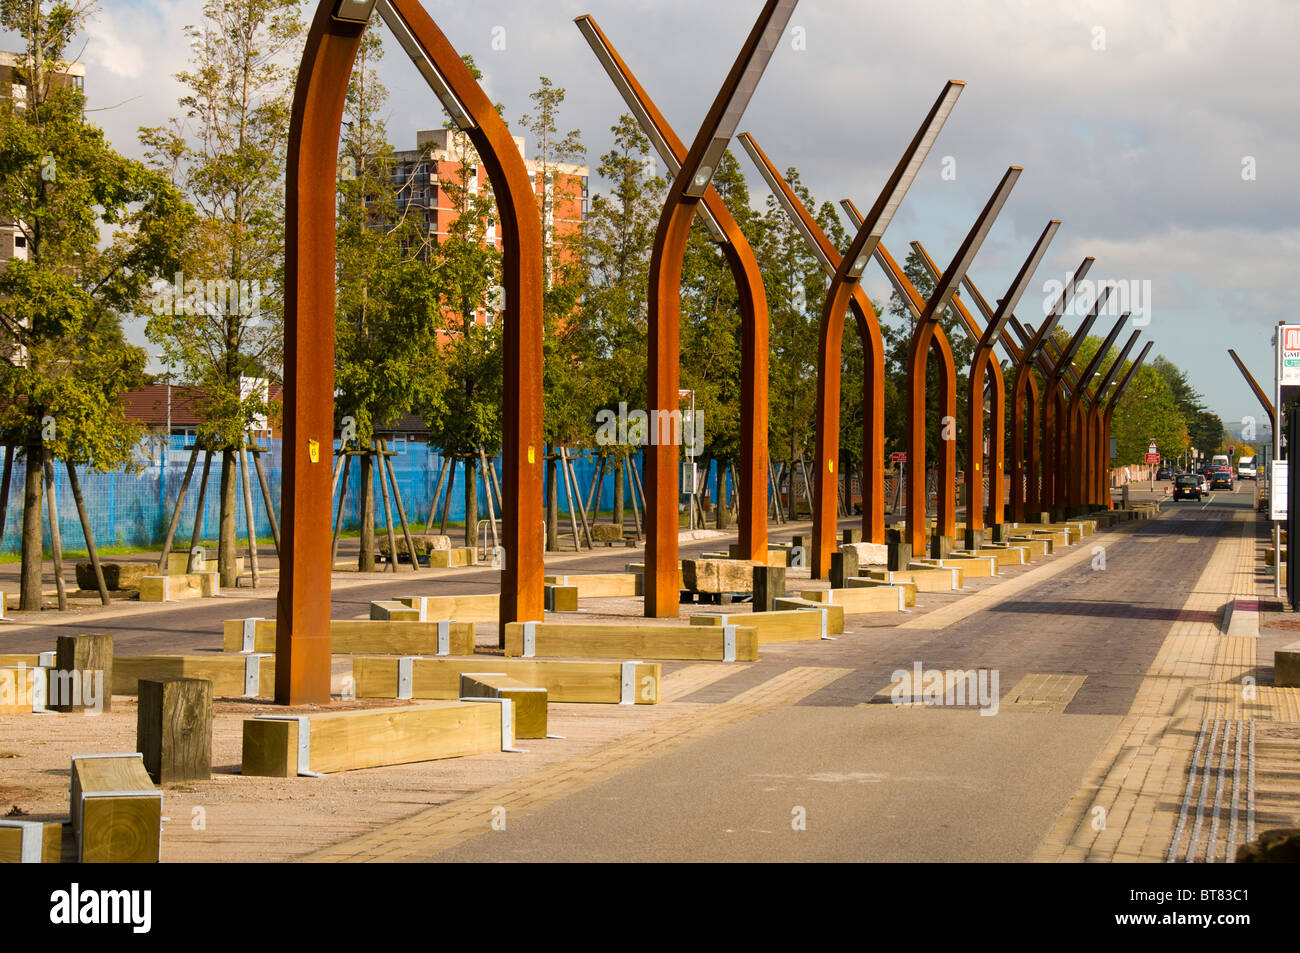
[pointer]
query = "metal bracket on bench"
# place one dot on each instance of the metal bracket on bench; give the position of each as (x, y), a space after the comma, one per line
(304, 741)
(530, 640)
(406, 675)
(33, 840)
(826, 623)
(253, 673)
(444, 637)
(728, 643)
(46, 659)
(250, 635)
(627, 684)
(507, 721)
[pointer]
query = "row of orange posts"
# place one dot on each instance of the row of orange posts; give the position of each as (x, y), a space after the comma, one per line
(1060, 429)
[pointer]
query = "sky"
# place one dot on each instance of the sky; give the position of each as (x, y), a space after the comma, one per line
(1164, 135)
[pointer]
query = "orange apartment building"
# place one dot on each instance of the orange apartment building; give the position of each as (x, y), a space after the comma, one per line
(420, 176)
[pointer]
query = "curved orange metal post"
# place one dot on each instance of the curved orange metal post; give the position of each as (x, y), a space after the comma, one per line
(1079, 452)
(848, 274)
(302, 631)
(663, 370)
(864, 313)
(983, 364)
(1254, 386)
(1117, 396)
(1100, 493)
(916, 388)
(752, 528)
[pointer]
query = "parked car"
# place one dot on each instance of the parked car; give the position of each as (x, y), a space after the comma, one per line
(1187, 486)
(1164, 473)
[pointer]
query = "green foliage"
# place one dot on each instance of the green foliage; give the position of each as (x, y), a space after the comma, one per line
(226, 151)
(65, 187)
(386, 323)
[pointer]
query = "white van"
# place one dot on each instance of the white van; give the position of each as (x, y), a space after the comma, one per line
(1246, 468)
(1220, 460)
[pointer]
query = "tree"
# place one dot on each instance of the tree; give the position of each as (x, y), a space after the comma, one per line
(63, 187)
(226, 151)
(618, 236)
(386, 354)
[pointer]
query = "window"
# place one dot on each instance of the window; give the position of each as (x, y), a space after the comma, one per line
(20, 241)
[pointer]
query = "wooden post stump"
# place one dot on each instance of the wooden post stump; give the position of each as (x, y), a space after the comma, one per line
(84, 673)
(174, 728)
(844, 566)
(769, 585)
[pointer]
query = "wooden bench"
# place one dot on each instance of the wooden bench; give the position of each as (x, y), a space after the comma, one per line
(922, 578)
(116, 810)
(527, 702)
(858, 600)
(30, 842)
(630, 640)
(785, 625)
(866, 582)
(834, 613)
(599, 585)
(594, 682)
(243, 675)
(286, 746)
(194, 585)
(362, 637)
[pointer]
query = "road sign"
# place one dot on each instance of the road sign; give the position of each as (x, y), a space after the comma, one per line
(898, 457)
(1153, 458)
(1277, 491)
(1288, 354)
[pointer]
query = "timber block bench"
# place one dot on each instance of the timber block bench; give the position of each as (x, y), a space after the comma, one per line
(244, 675)
(631, 640)
(923, 578)
(1059, 538)
(609, 534)
(30, 842)
(585, 682)
(528, 702)
(857, 600)
(638, 570)
(776, 556)
(834, 613)
(785, 625)
(362, 637)
(484, 607)
(866, 582)
(1002, 555)
(1036, 545)
(563, 592)
(287, 746)
(116, 810)
(972, 567)
(24, 683)
(718, 580)
(193, 585)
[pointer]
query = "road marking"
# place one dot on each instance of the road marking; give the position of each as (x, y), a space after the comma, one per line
(436, 829)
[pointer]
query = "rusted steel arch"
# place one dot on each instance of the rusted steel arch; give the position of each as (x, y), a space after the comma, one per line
(1056, 406)
(302, 604)
(941, 349)
(1026, 464)
(1114, 403)
(916, 392)
(1100, 486)
(848, 274)
(864, 314)
(663, 372)
(1078, 450)
(1254, 386)
(754, 322)
(984, 364)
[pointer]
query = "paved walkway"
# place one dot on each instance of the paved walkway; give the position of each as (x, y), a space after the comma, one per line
(1113, 673)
